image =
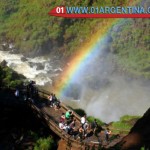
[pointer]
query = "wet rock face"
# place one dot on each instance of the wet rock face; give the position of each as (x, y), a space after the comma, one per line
(38, 66)
(23, 59)
(139, 135)
(3, 63)
(6, 46)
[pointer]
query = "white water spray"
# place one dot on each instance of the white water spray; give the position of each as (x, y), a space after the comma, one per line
(108, 94)
(104, 93)
(29, 68)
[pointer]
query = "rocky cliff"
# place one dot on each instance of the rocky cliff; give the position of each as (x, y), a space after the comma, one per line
(139, 136)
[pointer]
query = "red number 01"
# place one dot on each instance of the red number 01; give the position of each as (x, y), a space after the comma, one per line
(60, 10)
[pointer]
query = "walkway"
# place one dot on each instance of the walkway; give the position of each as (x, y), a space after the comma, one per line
(51, 117)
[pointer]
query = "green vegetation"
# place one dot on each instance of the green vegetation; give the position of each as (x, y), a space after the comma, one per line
(44, 144)
(10, 78)
(27, 24)
(42, 141)
(132, 46)
(124, 124)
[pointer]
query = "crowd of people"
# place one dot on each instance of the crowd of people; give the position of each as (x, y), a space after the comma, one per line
(67, 121)
(27, 91)
(53, 101)
(84, 129)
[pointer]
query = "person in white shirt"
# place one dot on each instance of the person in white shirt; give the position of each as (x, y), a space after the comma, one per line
(83, 120)
(50, 100)
(63, 126)
(107, 133)
(17, 93)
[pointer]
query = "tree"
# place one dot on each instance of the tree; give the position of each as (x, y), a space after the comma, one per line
(44, 144)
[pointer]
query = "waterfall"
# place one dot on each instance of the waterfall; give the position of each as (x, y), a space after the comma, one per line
(38, 69)
(103, 92)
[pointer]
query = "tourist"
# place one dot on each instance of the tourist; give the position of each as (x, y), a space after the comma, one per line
(54, 98)
(94, 125)
(63, 126)
(57, 104)
(83, 120)
(107, 134)
(73, 133)
(85, 128)
(72, 124)
(62, 118)
(81, 133)
(17, 94)
(50, 100)
(31, 89)
(68, 116)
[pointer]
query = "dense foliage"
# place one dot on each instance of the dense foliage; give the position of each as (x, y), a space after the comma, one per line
(9, 78)
(124, 124)
(131, 44)
(26, 23)
(44, 144)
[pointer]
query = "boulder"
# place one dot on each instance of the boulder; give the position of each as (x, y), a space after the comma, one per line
(23, 59)
(4, 47)
(39, 66)
(3, 63)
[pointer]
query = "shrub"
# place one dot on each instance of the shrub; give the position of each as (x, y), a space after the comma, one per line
(44, 144)
(8, 77)
(125, 123)
(80, 112)
(15, 83)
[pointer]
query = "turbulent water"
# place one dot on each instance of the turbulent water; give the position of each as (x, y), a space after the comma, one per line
(100, 89)
(40, 69)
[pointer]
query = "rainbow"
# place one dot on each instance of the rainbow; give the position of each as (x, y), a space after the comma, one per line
(85, 54)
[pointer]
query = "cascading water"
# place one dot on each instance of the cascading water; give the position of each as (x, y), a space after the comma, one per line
(103, 92)
(38, 69)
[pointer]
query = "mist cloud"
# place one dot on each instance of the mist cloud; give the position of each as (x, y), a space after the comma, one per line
(108, 94)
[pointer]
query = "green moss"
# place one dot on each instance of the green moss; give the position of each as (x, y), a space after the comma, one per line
(44, 144)
(29, 26)
(25, 22)
(124, 124)
(132, 47)
(128, 118)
